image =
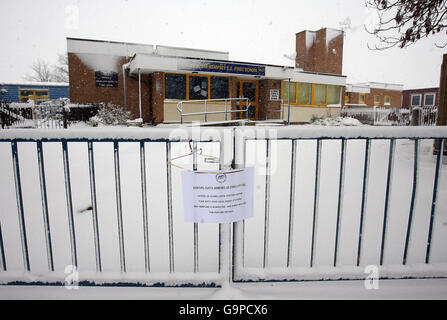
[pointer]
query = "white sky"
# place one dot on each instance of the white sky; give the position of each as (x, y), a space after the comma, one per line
(250, 30)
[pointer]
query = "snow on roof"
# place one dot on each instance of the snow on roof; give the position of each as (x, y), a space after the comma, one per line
(126, 49)
(331, 34)
(42, 84)
(381, 85)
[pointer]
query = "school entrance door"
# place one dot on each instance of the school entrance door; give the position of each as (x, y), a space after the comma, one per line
(248, 89)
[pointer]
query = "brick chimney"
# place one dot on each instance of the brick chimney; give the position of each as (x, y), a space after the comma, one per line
(320, 51)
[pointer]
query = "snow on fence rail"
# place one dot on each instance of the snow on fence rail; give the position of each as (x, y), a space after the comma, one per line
(324, 209)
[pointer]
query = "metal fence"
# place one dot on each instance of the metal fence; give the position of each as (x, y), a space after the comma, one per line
(232, 261)
(379, 116)
(269, 265)
(49, 114)
(146, 277)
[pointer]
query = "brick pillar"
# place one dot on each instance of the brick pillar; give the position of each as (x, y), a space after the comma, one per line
(268, 109)
(442, 108)
(157, 102)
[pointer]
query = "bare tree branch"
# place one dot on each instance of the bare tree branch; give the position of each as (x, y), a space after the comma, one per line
(404, 22)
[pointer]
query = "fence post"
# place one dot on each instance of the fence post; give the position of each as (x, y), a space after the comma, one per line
(416, 116)
(64, 113)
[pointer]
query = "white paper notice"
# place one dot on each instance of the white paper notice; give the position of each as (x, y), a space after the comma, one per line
(218, 196)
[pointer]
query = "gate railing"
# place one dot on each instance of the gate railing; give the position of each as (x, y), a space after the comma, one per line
(264, 267)
(51, 174)
(51, 144)
(227, 102)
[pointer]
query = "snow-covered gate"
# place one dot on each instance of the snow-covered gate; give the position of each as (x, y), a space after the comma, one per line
(71, 233)
(342, 203)
(104, 206)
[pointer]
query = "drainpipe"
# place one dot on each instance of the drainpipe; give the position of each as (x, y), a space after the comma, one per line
(139, 92)
(288, 108)
(124, 66)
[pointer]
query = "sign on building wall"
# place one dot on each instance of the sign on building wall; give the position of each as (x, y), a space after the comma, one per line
(274, 94)
(106, 79)
(218, 196)
(221, 67)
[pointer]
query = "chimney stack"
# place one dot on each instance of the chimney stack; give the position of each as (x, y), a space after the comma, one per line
(320, 51)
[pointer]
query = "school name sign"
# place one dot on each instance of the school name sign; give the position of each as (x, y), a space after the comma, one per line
(221, 67)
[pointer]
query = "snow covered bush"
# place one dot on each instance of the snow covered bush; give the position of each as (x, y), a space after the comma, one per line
(330, 120)
(109, 115)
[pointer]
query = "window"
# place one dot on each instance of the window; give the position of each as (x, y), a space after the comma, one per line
(198, 88)
(37, 95)
(219, 87)
(346, 97)
(387, 100)
(195, 87)
(304, 93)
(319, 94)
(333, 95)
(175, 86)
(285, 92)
(429, 99)
(376, 99)
(362, 98)
(415, 100)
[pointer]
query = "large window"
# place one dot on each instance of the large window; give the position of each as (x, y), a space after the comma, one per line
(415, 100)
(319, 94)
(333, 95)
(429, 99)
(219, 87)
(198, 88)
(175, 86)
(387, 100)
(285, 92)
(304, 93)
(310, 94)
(37, 95)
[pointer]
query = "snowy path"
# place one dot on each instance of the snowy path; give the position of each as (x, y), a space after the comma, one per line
(352, 290)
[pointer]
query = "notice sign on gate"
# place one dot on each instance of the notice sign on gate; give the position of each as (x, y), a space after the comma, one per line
(218, 196)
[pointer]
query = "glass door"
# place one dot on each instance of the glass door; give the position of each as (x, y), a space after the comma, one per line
(248, 89)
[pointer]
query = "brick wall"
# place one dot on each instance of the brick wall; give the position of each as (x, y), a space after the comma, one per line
(268, 109)
(406, 98)
(84, 90)
(316, 52)
(395, 98)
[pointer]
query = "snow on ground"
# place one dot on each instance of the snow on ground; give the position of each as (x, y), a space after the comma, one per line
(208, 234)
(431, 289)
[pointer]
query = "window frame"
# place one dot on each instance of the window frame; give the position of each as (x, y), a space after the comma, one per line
(378, 102)
(207, 86)
(425, 99)
(34, 96)
(187, 75)
(364, 98)
(312, 100)
(384, 100)
(416, 95)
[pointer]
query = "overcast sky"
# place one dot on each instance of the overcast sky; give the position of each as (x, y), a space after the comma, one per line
(253, 31)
